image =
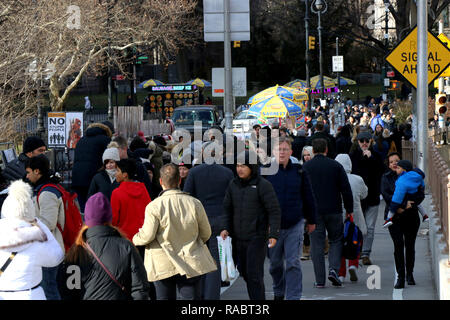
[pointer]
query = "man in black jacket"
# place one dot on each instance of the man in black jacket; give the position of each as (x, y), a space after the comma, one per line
(330, 185)
(368, 164)
(252, 214)
(32, 147)
(207, 183)
(298, 207)
(320, 133)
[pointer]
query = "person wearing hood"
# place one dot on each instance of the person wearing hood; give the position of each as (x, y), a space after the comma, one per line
(27, 244)
(87, 104)
(129, 200)
(359, 191)
(118, 255)
(252, 216)
(88, 158)
(105, 181)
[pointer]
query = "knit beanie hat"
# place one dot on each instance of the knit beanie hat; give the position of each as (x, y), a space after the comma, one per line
(97, 210)
(111, 154)
(19, 203)
(32, 143)
(405, 164)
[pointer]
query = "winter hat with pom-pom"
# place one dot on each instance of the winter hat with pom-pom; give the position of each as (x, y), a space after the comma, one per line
(19, 203)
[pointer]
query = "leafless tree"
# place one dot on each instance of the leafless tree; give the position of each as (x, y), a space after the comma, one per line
(47, 46)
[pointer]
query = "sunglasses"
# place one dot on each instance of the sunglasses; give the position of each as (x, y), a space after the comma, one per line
(364, 140)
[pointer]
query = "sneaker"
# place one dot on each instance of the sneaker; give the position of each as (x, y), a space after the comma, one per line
(366, 261)
(319, 286)
(425, 218)
(352, 272)
(387, 223)
(332, 276)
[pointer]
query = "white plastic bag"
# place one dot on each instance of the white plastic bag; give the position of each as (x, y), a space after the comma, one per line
(227, 267)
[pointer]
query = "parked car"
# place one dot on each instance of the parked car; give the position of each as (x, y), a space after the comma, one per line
(185, 116)
(244, 122)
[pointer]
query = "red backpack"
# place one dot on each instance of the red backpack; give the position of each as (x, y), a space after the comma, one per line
(72, 221)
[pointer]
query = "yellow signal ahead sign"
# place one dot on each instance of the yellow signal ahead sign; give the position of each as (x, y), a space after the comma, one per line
(446, 41)
(404, 57)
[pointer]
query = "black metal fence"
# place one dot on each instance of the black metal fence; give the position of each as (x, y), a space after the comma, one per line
(30, 125)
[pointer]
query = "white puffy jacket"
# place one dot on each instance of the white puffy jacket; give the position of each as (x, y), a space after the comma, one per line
(36, 247)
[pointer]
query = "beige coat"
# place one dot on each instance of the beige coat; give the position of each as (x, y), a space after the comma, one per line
(174, 232)
(50, 211)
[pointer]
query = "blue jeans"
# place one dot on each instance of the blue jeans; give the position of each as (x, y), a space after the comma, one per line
(49, 283)
(287, 281)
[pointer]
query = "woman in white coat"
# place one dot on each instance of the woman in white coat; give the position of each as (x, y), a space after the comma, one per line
(359, 190)
(35, 246)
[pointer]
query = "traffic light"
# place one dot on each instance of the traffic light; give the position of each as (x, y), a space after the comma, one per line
(312, 42)
(440, 101)
(236, 44)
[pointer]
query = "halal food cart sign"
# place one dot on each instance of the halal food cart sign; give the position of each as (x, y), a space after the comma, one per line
(404, 57)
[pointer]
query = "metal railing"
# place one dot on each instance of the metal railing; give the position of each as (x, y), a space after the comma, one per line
(30, 124)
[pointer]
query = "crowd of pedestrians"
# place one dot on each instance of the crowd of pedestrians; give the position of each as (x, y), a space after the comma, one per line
(151, 217)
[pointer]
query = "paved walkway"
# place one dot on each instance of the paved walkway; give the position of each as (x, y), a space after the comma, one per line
(382, 256)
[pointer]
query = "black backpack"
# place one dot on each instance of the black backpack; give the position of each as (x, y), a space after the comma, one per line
(353, 239)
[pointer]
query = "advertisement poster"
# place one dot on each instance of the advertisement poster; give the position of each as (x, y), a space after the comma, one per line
(74, 128)
(56, 129)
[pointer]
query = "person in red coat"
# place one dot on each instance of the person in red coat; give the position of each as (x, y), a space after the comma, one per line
(129, 200)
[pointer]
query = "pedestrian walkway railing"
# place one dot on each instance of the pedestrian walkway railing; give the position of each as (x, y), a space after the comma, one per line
(438, 177)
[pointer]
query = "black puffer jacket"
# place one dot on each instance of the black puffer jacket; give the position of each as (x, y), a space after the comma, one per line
(102, 183)
(88, 154)
(370, 169)
(120, 257)
(15, 170)
(251, 208)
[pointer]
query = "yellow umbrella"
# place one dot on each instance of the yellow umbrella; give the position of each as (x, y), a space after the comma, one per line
(276, 107)
(292, 94)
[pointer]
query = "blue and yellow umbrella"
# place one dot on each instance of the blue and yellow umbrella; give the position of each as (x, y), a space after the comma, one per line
(297, 83)
(199, 82)
(292, 94)
(276, 107)
(150, 83)
(345, 81)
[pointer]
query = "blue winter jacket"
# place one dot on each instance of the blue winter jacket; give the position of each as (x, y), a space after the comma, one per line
(295, 195)
(407, 183)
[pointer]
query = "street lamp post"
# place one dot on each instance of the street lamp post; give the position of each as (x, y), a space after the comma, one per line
(308, 80)
(386, 40)
(319, 7)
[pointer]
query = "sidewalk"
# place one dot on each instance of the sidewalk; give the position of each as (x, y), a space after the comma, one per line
(382, 256)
